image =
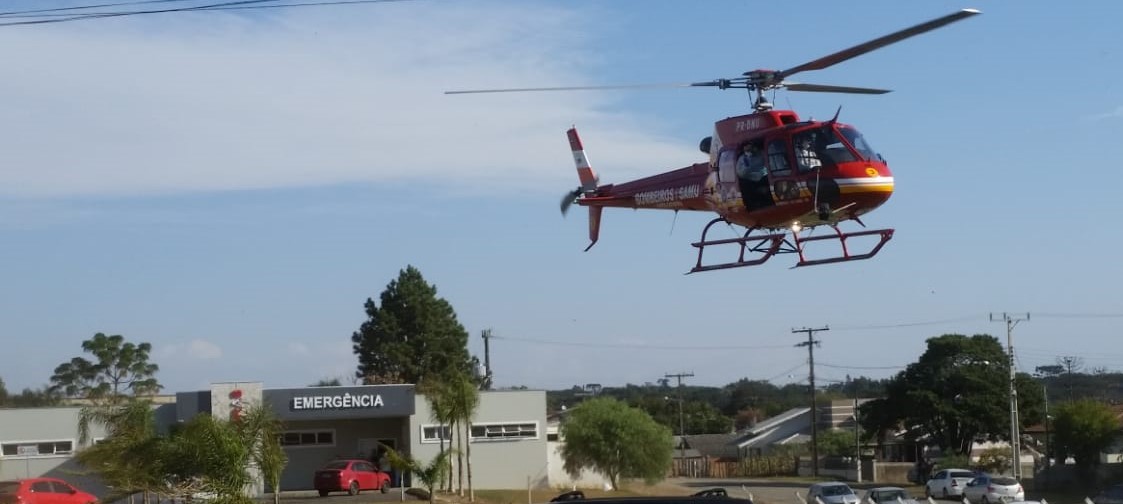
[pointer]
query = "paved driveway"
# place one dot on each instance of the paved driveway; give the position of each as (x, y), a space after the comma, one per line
(311, 497)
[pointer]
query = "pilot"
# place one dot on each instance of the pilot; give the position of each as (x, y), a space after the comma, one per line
(806, 156)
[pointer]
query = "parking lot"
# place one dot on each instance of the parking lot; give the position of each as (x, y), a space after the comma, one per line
(311, 497)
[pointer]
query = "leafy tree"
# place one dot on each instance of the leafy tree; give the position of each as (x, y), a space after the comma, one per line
(995, 460)
(118, 367)
(410, 335)
(430, 475)
(837, 442)
(617, 440)
(327, 382)
(956, 392)
(1083, 429)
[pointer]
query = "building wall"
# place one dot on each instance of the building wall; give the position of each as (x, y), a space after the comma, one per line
(56, 427)
(559, 478)
(497, 463)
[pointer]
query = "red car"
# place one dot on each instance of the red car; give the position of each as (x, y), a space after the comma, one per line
(42, 491)
(351, 476)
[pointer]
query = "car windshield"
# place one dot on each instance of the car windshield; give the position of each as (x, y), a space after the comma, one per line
(9, 487)
(962, 474)
(1004, 481)
(891, 495)
(837, 490)
(336, 465)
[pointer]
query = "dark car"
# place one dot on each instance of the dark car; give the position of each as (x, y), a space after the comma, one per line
(42, 491)
(1110, 495)
(351, 476)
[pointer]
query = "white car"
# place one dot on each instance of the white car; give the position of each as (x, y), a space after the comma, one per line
(833, 492)
(948, 483)
(988, 489)
(888, 495)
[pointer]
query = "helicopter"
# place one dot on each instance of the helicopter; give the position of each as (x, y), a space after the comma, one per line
(769, 171)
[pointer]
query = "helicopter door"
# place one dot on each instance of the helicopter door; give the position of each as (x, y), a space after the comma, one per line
(785, 185)
(728, 190)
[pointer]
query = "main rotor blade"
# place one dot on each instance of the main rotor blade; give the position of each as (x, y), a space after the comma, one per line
(821, 88)
(577, 88)
(878, 43)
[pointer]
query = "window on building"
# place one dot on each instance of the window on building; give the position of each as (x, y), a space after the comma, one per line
(524, 430)
(36, 448)
(435, 433)
(308, 438)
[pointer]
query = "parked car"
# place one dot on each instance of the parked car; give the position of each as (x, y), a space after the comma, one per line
(948, 483)
(351, 476)
(889, 495)
(832, 492)
(987, 489)
(42, 491)
(1110, 495)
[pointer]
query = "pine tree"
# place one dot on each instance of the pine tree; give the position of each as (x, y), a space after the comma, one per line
(411, 335)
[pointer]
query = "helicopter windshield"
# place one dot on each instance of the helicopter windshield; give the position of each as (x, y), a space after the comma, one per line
(859, 143)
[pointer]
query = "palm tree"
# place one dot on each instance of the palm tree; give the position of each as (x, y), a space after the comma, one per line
(261, 431)
(440, 411)
(127, 459)
(465, 400)
(430, 475)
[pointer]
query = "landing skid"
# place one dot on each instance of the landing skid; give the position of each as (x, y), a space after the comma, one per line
(755, 249)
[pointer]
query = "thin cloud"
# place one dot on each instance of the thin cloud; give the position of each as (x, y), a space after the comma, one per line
(197, 349)
(204, 350)
(1114, 114)
(223, 102)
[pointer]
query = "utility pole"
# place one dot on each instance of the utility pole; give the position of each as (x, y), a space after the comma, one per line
(810, 344)
(486, 335)
(1015, 432)
(681, 423)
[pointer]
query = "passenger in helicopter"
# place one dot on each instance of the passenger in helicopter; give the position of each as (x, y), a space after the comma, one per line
(753, 176)
(751, 164)
(805, 155)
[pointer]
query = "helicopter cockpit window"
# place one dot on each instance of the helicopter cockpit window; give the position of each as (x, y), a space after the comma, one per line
(859, 143)
(778, 158)
(834, 149)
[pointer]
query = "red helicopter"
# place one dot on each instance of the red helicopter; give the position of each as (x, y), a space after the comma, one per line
(769, 171)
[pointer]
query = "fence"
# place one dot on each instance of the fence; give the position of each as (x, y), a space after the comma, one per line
(755, 467)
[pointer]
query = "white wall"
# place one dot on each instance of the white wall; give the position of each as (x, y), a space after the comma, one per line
(561, 479)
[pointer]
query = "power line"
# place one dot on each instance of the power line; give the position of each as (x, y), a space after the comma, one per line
(838, 366)
(641, 345)
(82, 7)
(906, 324)
(230, 5)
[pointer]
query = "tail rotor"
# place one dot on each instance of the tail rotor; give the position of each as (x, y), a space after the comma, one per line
(569, 198)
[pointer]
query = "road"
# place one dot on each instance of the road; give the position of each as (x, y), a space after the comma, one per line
(767, 491)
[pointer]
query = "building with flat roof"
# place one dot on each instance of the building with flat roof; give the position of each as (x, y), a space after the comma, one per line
(508, 438)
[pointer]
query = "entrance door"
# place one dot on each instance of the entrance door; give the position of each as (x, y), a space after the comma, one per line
(367, 449)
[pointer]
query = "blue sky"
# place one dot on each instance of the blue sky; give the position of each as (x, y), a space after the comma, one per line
(231, 187)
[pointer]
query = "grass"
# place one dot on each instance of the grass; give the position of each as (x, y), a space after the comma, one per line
(541, 495)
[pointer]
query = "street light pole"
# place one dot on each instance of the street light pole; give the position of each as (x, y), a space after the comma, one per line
(1015, 437)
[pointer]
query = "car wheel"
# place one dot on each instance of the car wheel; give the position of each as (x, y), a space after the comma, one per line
(986, 500)
(323, 493)
(353, 489)
(945, 493)
(385, 487)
